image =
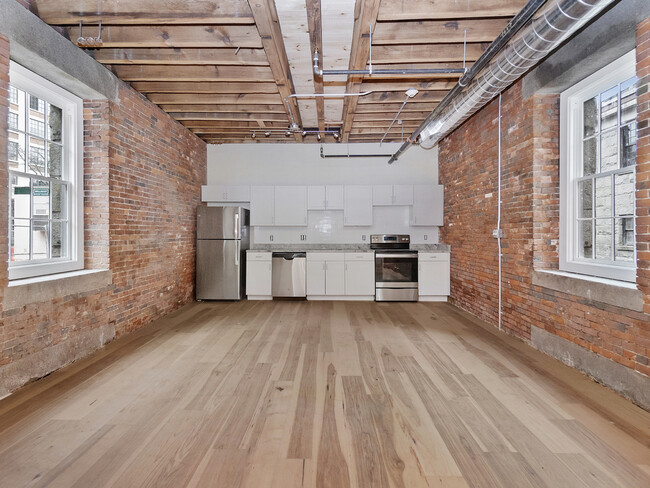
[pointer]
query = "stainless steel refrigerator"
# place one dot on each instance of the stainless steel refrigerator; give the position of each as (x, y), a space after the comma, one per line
(221, 242)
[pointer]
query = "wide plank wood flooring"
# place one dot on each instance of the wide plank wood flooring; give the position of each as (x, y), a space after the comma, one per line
(327, 394)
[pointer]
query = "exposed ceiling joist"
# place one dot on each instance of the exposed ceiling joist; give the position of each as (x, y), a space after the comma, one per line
(189, 87)
(227, 116)
(209, 56)
(438, 31)
(393, 10)
(194, 107)
(418, 53)
(146, 72)
(183, 98)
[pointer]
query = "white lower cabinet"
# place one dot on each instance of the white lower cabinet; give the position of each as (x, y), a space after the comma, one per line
(360, 274)
(340, 276)
(258, 275)
(433, 276)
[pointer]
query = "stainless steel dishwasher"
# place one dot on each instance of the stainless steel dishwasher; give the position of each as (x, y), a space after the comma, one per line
(289, 272)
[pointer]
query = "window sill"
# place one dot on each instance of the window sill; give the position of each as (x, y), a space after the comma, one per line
(43, 288)
(594, 289)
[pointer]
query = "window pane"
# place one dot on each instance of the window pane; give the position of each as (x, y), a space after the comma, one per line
(586, 239)
(54, 122)
(608, 151)
(36, 158)
(609, 108)
(58, 239)
(624, 194)
(604, 239)
(589, 156)
(36, 104)
(59, 200)
(37, 127)
(604, 196)
(590, 117)
(19, 240)
(585, 196)
(20, 201)
(41, 202)
(628, 145)
(13, 121)
(54, 161)
(40, 239)
(17, 151)
(628, 100)
(624, 250)
(13, 95)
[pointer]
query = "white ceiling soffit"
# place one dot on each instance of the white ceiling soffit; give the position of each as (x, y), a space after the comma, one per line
(338, 22)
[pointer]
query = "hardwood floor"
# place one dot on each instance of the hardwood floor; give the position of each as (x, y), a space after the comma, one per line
(327, 394)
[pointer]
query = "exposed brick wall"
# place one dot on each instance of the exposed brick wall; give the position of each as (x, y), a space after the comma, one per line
(142, 177)
(530, 214)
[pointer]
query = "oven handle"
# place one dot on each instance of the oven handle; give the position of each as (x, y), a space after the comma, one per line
(396, 255)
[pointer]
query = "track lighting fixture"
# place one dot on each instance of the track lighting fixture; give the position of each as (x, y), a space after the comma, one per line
(253, 136)
(267, 134)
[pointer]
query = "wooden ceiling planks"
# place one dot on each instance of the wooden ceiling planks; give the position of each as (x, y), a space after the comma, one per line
(221, 67)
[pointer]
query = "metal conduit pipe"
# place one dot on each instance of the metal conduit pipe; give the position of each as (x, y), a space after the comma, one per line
(557, 20)
(318, 71)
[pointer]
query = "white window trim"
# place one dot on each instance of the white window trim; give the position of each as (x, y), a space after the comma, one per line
(72, 107)
(621, 69)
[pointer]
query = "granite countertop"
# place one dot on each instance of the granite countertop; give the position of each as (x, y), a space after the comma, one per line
(340, 247)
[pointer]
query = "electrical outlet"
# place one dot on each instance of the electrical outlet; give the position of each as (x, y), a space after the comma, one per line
(271, 237)
(303, 237)
(426, 237)
(363, 237)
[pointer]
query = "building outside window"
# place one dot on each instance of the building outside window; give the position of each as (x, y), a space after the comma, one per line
(597, 164)
(45, 177)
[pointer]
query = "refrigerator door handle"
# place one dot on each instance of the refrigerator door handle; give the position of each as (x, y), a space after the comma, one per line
(237, 251)
(237, 226)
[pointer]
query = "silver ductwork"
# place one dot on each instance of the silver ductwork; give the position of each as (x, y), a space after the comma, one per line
(552, 24)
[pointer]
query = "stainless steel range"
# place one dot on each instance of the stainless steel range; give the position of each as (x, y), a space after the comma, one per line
(396, 268)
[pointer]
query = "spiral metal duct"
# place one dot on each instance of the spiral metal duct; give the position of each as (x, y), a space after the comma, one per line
(554, 22)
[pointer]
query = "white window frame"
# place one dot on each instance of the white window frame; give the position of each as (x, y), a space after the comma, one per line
(571, 130)
(72, 168)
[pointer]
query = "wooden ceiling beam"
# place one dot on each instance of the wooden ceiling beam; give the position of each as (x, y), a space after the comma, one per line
(394, 107)
(203, 98)
(437, 31)
(315, 23)
(203, 87)
(365, 19)
(402, 85)
(182, 36)
(274, 109)
(227, 116)
(70, 12)
(418, 53)
(268, 27)
(386, 116)
(395, 97)
(146, 72)
(393, 10)
(198, 56)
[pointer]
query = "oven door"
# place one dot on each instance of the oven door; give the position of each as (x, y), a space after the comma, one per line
(396, 269)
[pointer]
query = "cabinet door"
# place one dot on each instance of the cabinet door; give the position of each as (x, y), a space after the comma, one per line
(291, 206)
(335, 278)
(402, 194)
(258, 278)
(382, 195)
(433, 278)
(238, 193)
(214, 193)
(315, 277)
(334, 197)
(358, 205)
(316, 197)
(428, 201)
(262, 205)
(360, 278)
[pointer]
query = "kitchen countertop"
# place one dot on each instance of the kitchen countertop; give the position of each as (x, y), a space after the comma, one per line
(340, 247)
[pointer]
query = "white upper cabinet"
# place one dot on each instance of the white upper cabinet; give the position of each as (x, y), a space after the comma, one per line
(428, 203)
(321, 197)
(392, 195)
(225, 193)
(334, 197)
(262, 205)
(290, 206)
(402, 194)
(358, 205)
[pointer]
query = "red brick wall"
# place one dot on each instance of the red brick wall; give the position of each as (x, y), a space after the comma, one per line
(530, 213)
(142, 178)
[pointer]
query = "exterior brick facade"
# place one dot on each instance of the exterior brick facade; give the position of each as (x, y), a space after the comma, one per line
(530, 220)
(142, 178)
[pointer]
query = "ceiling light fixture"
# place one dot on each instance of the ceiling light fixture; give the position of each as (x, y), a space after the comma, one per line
(253, 136)
(267, 134)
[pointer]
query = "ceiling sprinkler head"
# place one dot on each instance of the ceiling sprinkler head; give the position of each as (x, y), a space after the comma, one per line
(411, 92)
(336, 136)
(294, 127)
(318, 136)
(267, 134)
(287, 133)
(253, 136)
(304, 133)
